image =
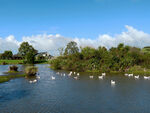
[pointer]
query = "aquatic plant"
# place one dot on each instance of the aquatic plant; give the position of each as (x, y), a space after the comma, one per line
(31, 70)
(13, 68)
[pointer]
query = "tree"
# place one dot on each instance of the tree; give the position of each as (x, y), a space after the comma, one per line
(30, 58)
(71, 48)
(27, 52)
(61, 51)
(25, 48)
(7, 55)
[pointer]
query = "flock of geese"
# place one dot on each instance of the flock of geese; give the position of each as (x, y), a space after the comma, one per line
(78, 74)
(91, 77)
(35, 80)
(137, 77)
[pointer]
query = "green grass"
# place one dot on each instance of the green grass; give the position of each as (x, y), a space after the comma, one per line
(21, 62)
(11, 61)
(41, 62)
(9, 77)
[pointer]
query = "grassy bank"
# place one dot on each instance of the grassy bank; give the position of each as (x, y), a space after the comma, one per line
(11, 62)
(9, 77)
(21, 62)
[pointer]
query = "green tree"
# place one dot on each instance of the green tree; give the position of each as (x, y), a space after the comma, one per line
(61, 51)
(26, 48)
(71, 48)
(27, 52)
(30, 58)
(7, 55)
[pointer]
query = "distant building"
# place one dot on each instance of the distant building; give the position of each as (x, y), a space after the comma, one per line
(43, 55)
(16, 57)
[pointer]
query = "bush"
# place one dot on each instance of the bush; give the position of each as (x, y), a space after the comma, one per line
(31, 70)
(4, 63)
(30, 58)
(13, 68)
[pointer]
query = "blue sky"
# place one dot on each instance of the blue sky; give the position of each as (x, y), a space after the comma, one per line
(50, 24)
(72, 18)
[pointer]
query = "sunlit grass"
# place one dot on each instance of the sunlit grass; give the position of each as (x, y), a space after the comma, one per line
(9, 77)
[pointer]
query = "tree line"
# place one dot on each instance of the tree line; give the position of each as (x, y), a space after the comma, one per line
(121, 58)
(26, 52)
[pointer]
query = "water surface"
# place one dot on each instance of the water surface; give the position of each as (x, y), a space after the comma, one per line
(67, 95)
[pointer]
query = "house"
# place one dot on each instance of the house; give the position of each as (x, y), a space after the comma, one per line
(43, 55)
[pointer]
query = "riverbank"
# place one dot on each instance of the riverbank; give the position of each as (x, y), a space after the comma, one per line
(136, 70)
(9, 77)
(7, 62)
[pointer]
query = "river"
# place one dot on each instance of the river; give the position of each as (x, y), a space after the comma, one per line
(67, 95)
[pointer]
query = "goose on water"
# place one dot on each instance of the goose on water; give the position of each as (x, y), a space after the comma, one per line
(100, 77)
(91, 76)
(53, 78)
(76, 78)
(146, 78)
(74, 72)
(38, 77)
(113, 82)
(136, 77)
(103, 74)
(130, 75)
(78, 74)
(32, 81)
(69, 74)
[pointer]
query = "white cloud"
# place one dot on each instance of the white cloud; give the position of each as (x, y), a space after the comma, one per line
(51, 43)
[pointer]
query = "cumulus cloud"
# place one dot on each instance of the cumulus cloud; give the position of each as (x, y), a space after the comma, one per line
(9, 43)
(51, 43)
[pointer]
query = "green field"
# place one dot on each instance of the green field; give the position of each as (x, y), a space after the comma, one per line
(11, 61)
(21, 62)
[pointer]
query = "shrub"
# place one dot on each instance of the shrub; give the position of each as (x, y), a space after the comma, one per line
(31, 70)
(4, 63)
(13, 68)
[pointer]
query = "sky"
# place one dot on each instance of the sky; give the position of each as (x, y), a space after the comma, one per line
(50, 24)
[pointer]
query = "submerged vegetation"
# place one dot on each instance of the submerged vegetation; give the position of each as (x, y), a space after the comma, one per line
(9, 77)
(117, 59)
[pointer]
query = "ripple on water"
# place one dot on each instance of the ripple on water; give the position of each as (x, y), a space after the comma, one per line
(66, 95)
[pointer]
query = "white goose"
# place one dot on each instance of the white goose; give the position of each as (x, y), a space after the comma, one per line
(130, 75)
(34, 81)
(146, 78)
(38, 77)
(126, 74)
(64, 74)
(70, 73)
(53, 78)
(113, 82)
(100, 77)
(76, 78)
(136, 77)
(78, 74)
(91, 76)
(74, 73)
(103, 74)
(30, 81)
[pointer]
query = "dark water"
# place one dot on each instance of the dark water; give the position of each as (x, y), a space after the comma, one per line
(67, 95)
